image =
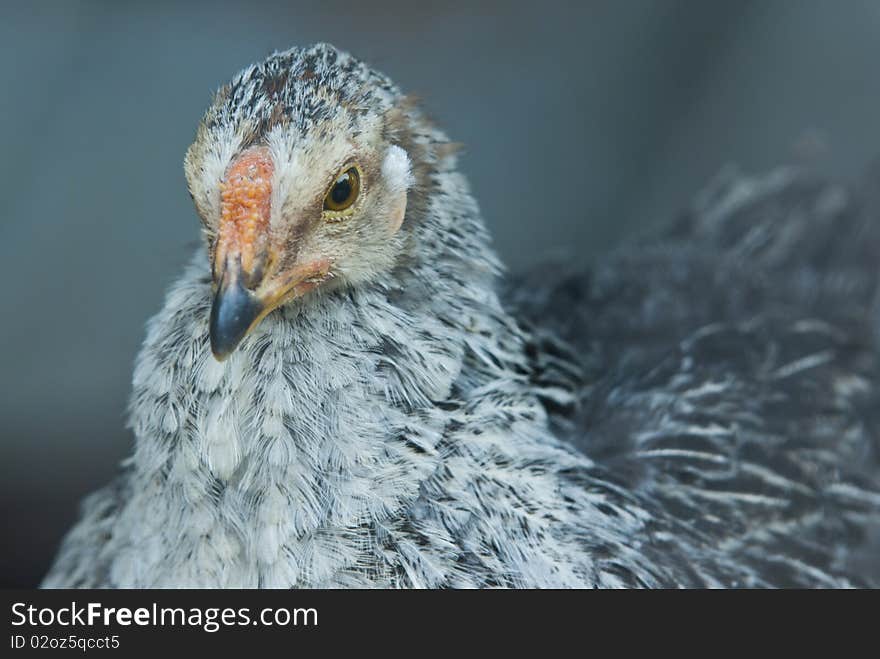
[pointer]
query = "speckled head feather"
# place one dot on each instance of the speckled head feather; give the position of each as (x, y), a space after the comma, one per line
(392, 425)
(264, 162)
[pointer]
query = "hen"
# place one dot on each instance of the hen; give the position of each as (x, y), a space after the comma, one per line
(337, 393)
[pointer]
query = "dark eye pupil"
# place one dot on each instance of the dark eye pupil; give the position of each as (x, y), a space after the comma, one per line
(341, 190)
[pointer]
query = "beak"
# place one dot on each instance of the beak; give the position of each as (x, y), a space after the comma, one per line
(247, 280)
(235, 311)
(238, 307)
(242, 250)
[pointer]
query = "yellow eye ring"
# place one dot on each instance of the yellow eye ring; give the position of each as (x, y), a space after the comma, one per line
(343, 191)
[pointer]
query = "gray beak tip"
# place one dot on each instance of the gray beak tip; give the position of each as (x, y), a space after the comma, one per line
(232, 314)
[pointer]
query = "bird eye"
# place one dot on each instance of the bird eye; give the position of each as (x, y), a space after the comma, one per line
(344, 191)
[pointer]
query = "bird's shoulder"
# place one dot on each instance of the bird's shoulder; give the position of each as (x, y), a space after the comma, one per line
(85, 557)
(726, 373)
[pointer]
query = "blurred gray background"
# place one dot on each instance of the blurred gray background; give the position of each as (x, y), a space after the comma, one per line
(583, 123)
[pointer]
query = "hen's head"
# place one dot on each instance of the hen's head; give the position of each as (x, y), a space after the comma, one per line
(300, 174)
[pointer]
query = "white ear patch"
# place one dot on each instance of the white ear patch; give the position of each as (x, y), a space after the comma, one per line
(396, 169)
(397, 172)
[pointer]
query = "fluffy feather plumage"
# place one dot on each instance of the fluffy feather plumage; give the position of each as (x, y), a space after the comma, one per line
(696, 410)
